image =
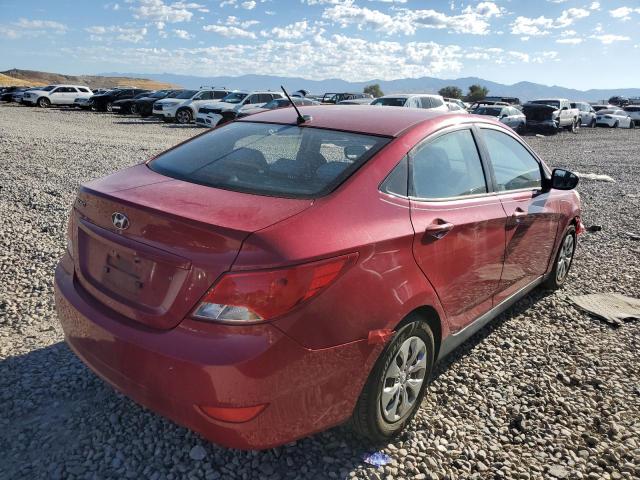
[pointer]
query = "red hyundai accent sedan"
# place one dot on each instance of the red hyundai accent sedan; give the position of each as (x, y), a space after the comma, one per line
(272, 278)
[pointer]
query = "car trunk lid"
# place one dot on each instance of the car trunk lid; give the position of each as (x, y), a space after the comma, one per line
(180, 237)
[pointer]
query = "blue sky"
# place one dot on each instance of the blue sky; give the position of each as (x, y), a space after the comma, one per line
(573, 43)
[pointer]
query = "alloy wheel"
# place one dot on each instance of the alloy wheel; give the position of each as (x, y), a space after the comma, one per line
(183, 116)
(564, 258)
(109, 107)
(134, 109)
(403, 380)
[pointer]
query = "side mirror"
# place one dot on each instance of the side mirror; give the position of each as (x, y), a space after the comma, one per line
(563, 179)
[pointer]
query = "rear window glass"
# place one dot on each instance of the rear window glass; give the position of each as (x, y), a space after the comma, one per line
(390, 101)
(269, 159)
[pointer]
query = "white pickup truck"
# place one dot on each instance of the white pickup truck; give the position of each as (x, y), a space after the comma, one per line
(551, 114)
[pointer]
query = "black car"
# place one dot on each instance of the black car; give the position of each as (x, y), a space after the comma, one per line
(6, 95)
(619, 101)
(104, 101)
(144, 106)
(124, 105)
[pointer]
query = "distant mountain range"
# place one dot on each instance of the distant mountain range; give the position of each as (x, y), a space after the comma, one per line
(522, 90)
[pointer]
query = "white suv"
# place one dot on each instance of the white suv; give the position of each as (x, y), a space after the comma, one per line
(227, 109)
(183, 107)
(56, 95)
(413, 100)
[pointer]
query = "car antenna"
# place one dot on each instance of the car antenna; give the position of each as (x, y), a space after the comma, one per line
(301, 118)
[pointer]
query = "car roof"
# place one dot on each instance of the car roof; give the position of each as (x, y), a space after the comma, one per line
(388, 121)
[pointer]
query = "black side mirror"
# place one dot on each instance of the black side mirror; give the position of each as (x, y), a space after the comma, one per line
(563, 179)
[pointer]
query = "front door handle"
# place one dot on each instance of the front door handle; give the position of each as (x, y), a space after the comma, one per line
(517, 216)
(439, 230)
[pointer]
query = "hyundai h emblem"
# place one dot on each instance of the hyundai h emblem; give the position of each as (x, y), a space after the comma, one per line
(120, 220)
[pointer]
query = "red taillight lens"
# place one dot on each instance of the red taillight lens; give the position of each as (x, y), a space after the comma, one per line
(247, 297)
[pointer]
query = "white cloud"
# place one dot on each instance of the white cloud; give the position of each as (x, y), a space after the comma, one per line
(608, 39)
(623, 13)
(293, 31)
(172, 13)
(112, 6)
(569, 41)
(535, 27)
(594, 6)
(250, 5)
(56, 27)
(229, 31)
(472, 20)
(25, 28)
(183, 34)
(116, 32)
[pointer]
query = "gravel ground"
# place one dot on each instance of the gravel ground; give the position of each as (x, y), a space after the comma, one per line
(545, 391)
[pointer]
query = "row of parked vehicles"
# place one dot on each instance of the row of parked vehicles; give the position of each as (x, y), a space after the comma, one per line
(213, 106)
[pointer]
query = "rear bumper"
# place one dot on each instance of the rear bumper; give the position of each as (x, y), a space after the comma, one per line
(172, 372)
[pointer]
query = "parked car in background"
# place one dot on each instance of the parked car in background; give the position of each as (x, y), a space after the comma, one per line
(412, 100)
(18, 94)
(551, 114)
(586, 112)
(183, 107)
(498, 98)
(103, 102)
(457, 101)
(619, 101)
(274, 104)
(218, 299)
(124, 105)
(226, 110)
(598, 107)
(455, 108)
(56, 95)
(339, 97)
(510, 116)
(355, 101)
(474, 106)
(144, 106)
(634, 112)
(614, 118)
(6, 95)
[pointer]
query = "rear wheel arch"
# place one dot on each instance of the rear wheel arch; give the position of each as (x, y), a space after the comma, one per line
(431, 318)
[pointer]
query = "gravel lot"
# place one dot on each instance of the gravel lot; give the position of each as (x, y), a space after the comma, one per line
(543, 392)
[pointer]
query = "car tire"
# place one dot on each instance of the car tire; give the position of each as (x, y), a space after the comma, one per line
(393, 382)
(563, 261)
(632, 124)
(133, 109)
(522, 128)
(593, 123)
(183, 116)
(615, 125)
(109, 107)
(575, 126)
(44, 102)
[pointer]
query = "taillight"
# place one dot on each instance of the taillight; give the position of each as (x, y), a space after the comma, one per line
(248, 297)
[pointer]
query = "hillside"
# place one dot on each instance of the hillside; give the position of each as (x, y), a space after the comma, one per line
(522, 90)
(34, 78)
(6, 81)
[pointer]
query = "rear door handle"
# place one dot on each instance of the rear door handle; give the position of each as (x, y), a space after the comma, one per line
(518, 214)
(438, 230)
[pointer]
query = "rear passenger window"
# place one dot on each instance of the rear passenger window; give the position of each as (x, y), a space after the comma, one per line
(513, 166)
(219, 94)
(425, 102)
(448, 166)
(436, 102)
(84, 90)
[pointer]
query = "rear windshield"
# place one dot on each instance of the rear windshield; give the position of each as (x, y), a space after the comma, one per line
(269, 159)
(552, 103)
(494, 112)
(390, 101)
